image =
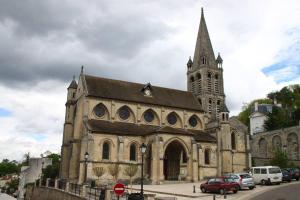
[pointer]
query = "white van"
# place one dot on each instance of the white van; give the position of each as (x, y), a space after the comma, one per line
(266, 175)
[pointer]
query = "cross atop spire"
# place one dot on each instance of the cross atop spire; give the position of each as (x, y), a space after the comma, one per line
(204, 53)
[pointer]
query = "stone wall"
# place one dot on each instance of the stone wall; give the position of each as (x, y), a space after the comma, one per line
(42, 193)
(265, 144)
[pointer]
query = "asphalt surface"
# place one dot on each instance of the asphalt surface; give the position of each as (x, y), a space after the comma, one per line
(288, 192)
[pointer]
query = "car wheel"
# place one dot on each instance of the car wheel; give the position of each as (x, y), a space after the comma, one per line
(278, 183)
(263, 182)
(235, 191)
(297, 179)
(239, 188)
(203, 190)
(251, 188)
(222, 191)
(289, 181)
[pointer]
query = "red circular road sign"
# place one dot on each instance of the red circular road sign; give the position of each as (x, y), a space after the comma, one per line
(119, 189)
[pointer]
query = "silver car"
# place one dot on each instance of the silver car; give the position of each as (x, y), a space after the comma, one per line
(244, 180)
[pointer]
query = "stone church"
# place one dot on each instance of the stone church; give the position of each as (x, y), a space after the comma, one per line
(189, 134)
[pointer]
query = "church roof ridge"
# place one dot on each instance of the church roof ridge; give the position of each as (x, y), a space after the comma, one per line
(129, 91)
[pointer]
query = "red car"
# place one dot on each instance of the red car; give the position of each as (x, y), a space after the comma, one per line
(220, 185)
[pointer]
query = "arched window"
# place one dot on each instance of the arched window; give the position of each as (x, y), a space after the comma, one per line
(199, 82)
(293, 146)
(105, 151)
(233, 142)
(207, 157)
(193, 121)
(192, 79)
(100, 110)
(149, 115)
(172, 118)
(209, 105)
(209, 82)
(124, 112)
(132, 152)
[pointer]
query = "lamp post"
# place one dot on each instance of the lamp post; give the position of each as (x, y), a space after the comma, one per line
(143, 150)
(86, 157)
(42, 176)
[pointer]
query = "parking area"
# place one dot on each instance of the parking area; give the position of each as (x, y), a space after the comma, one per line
(184, 191)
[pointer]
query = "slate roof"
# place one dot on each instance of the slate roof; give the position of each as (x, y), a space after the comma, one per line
(128, 91)
(263, 108)
(73, 84)
(121, 128)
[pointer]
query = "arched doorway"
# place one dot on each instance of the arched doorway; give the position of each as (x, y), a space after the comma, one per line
(175, 159)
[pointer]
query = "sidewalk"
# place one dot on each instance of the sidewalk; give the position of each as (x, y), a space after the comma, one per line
(4, 196)
(184, 191)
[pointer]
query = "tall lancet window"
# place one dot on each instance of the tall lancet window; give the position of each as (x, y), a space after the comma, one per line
(209, 105)
(192, 80)
(209, 82)
(216, 83)
(218, 108)
(199, 82)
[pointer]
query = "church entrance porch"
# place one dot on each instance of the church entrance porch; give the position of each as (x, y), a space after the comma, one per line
(175, 161)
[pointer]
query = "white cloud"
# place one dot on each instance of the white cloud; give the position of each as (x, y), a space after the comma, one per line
(250, 35)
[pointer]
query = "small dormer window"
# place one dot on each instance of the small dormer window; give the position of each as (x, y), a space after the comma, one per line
(147, 90)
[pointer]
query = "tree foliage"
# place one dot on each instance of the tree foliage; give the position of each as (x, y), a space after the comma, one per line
(287, 115)
(280, 159)
(99, 171)
(52, 171)
(8, 167)
(246, 112)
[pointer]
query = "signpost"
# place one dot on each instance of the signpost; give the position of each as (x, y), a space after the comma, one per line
(119, 189)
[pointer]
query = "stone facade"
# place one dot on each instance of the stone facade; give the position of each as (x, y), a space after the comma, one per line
(266, 143)
(188, 134)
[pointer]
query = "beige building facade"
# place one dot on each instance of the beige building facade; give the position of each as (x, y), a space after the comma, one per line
(188, 134)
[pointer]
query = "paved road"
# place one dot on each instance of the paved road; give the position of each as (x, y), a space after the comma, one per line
(288, 192)
(6, 197)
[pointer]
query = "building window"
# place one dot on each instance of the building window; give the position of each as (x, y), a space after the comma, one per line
(233, 143)
(172, 118)
(209, 82)
(105, 151)
(124, 112)
(193, 121)
(149, 116)
(206, 157)
(210, 106)
(132, 152)
(100, 110)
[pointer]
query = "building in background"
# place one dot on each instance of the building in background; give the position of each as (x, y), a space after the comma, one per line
(188, 134)
(31, 173)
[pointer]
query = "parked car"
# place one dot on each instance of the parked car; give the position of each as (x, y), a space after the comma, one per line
(244, 180)
(266, 175)
(220, 185)
(295, 173)
(286, 175)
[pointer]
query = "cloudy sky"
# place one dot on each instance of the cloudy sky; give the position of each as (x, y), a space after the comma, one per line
(44, 43)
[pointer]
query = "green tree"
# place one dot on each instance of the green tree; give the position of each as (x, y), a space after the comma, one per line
(52, 171)
(8, 167)
(246, 112)
(280, 159)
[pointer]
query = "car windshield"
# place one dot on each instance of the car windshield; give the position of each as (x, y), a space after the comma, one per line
(245, 176)
(228, 180)
(274, 170)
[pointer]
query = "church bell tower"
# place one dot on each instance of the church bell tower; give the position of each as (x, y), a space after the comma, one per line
(205, 73)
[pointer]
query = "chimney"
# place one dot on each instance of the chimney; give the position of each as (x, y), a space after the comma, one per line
(255, 106)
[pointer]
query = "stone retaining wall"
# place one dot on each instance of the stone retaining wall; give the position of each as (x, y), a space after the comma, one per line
(43, 193)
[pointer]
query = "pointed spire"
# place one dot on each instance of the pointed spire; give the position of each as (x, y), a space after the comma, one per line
(204, 53)
(189, 63)
(219, 59)
(73, 84)
(81, 70)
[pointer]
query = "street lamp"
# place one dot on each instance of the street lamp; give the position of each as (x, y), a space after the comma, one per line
(86, 157)
(143, 148)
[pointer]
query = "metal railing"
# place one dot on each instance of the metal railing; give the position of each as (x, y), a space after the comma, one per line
(95, 193)
(75, 188)
(62, 185)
